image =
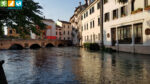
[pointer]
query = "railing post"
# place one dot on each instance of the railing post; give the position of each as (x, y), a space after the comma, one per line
(2, 74)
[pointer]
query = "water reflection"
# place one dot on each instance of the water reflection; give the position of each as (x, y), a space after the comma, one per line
(74, 66)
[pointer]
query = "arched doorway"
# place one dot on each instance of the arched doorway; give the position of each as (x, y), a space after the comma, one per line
(35, 46)
(16, 47)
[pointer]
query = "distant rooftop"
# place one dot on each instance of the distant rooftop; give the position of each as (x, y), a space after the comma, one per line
(64, 22)
(49, 20)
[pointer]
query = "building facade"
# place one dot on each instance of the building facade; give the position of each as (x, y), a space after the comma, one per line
(58, 32)
(91, 22)
(127, 25)
(12, 32)
(76, 23)
(50, 32)
(66, 30)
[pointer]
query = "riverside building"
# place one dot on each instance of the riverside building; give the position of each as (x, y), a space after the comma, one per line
(66, 30)
(76, 24)
(127, 25)
(91, 22)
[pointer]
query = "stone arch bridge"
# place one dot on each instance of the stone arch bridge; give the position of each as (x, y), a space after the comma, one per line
(25, 44)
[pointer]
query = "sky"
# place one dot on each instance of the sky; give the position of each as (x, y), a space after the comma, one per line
(58, 9)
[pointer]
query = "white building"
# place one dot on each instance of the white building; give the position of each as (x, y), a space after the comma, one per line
(127, 25)
(50, 32)
(76, 23)
(91, 23)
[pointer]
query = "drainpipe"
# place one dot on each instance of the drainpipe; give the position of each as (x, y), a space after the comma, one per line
(101, 25)
(2, 74)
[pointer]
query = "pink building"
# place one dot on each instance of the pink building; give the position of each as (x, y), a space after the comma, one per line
(58, 32)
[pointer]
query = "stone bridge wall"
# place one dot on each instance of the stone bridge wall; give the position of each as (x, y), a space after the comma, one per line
(6, 44)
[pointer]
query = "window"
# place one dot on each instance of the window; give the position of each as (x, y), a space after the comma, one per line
(87, 14)
(68, 32)
(59, 33)
(124, 35)
(91, 10)
(87, 26)
(99, 36)
(10, 31)
(106, 17)
(82, 17)
(138, 35)
(68, 26)
(90, 24)
(147, 3)
(98, 21)
(98, 5)
(123, 11)
(105, 1)
(115, 14)
(56, 33)
(93, 24)
(87, 38)
(64, 32)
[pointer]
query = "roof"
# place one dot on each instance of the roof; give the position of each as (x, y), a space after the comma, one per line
(64, 22)
(48, 20)
(57, 26)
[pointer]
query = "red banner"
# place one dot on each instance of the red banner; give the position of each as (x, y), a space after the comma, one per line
(51, 37)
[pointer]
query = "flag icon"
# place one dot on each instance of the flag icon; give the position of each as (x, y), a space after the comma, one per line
(11, 3)
(3, 3)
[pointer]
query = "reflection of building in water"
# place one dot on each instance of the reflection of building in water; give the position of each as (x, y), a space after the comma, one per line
(98, 68)
(88, 68)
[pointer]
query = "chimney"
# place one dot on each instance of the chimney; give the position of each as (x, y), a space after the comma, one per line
(79, 3)
(86, 2)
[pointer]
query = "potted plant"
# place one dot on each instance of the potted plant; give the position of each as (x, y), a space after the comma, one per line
(147, 7)
(137, 11)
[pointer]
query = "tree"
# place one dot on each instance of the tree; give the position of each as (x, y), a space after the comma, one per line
(26, 19)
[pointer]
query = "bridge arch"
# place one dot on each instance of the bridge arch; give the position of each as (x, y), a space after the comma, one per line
(49, 45)
(16, 47)
(35, 46)
(61, 45)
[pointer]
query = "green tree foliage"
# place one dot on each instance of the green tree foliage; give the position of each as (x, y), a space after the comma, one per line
(26, 19)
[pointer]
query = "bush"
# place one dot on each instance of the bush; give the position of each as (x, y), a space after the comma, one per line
(91, 46)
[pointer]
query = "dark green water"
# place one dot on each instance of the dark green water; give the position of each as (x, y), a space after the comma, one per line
(74, 66)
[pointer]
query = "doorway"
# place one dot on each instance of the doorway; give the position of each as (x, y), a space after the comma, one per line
(113, 36)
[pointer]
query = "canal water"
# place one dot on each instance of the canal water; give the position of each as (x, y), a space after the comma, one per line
(70, 65)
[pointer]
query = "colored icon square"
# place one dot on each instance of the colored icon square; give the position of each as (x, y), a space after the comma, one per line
(18, 3)
(11, 3)
(3, 3)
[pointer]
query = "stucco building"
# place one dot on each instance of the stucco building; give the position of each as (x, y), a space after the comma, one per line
(91, 22)
(66, 30)
(12, 32)
(50, 32)
(76, 23)
(127, 25)
(59, 32)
